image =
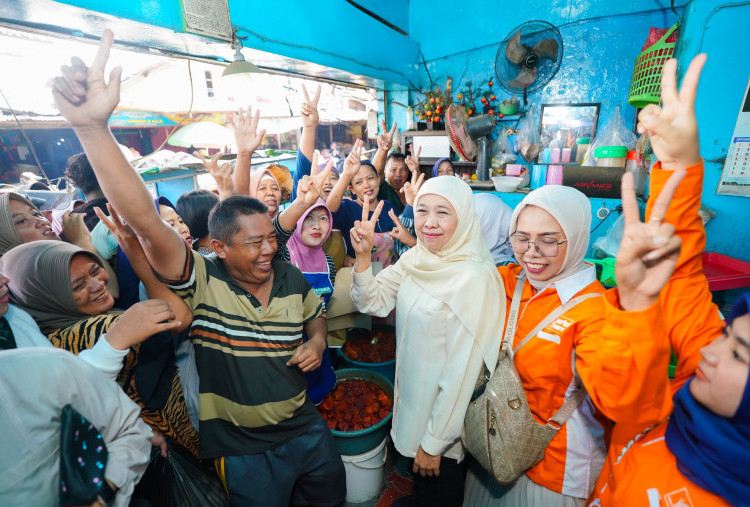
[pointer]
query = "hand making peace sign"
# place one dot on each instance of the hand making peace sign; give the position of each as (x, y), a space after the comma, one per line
(309, 109)
(412, 161)
(310, 188)
(411, 189)
(649, 251)
(672, 127)
(363, 232)
(400, 232)
(385, 140)
(352, 162)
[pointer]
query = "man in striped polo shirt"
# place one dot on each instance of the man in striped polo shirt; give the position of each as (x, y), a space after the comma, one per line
(270, 445)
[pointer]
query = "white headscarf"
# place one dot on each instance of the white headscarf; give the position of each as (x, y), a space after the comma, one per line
(572, 210)
(494, 221)
(462, 274)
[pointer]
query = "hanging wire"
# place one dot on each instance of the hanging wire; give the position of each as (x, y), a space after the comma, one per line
(174, 129)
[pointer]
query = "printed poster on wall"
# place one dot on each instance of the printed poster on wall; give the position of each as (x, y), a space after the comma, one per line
(735, 178)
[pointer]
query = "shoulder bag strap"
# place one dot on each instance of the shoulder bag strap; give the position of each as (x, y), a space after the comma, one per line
(557, 312)
(510, 327)
(564, 413)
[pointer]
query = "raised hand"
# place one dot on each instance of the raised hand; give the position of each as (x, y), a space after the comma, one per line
(352, 162)
(246, 133)
(400, 232)
(310, 188)
(222, 174)
(81, 94)
(140, 322)
(672, 126)
(385, 140)
(124, 235)
(75, 231)
(411, 188)
(412, 161)
(363, 233)
(649, 251)
(309, 109)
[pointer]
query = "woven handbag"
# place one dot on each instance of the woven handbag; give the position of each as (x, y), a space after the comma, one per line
(499, 429)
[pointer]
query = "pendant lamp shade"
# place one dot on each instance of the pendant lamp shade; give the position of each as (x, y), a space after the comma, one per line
(239, 65)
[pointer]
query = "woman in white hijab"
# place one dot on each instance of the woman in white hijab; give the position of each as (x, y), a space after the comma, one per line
(494, 220)
(549, 234)
(450, 308)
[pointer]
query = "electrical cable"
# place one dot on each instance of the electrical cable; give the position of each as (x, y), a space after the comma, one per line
(28, 141)
(617, 208)
(426, 69)
(179, 125)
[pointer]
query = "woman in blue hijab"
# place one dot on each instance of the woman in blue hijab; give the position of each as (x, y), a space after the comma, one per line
(443, 167)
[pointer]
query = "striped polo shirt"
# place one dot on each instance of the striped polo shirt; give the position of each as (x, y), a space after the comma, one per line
(250, 401)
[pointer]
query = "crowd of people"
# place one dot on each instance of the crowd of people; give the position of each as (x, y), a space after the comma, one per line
(199, 329)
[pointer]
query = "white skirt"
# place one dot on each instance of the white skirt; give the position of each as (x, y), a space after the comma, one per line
(482, 491)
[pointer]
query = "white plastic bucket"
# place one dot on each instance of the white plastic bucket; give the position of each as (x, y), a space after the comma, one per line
(365, 473)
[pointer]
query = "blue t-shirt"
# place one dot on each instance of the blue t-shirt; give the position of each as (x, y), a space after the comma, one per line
(350, 211)
(304, 166)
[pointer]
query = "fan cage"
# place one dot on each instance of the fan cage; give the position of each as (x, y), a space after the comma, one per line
(531, 32)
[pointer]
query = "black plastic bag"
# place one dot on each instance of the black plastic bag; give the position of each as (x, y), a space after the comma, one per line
(179, 480)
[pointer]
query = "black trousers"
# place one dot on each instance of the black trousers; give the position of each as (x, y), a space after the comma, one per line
(445, 490)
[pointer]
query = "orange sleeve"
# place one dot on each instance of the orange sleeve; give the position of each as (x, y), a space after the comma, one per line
(691, 319)
(624, 364)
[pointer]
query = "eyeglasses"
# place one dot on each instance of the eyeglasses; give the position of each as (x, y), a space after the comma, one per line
(546, 247)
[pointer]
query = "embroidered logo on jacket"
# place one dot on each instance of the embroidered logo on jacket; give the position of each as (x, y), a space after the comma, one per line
(679, 498)
(553, 331)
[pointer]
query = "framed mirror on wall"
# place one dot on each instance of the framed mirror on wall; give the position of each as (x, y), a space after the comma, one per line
(566, 131)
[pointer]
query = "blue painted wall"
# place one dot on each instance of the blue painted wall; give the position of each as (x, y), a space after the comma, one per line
(598, 57)
(395, 12)
(601, 41)
(720, 29)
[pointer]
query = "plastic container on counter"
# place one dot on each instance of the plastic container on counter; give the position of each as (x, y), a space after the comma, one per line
(538, 176)
(582, 147)
(554, 175)
(611, 156)
(724, 272)
(640, 176)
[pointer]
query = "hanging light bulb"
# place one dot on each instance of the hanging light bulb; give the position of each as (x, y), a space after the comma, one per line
(239, 65)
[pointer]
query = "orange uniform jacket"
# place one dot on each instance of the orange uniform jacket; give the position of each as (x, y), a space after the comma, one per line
(647, 474)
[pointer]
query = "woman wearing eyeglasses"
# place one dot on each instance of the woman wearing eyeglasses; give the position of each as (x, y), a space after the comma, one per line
(549, 234)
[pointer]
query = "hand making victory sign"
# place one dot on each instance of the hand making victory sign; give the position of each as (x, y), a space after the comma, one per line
(385, 140)
(309, 109)
(411, 189)
(672, 127)
(310, 188)
(649, 251)
(363, 235)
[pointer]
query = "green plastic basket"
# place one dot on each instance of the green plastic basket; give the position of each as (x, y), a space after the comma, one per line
(645, 88)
